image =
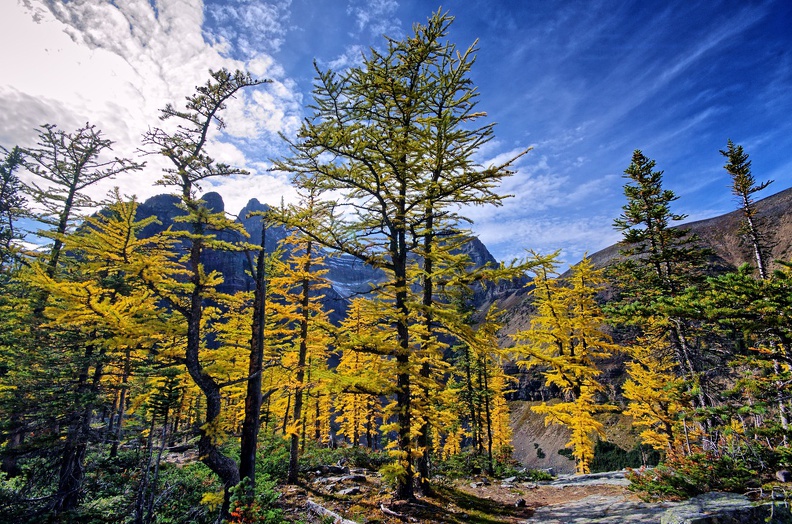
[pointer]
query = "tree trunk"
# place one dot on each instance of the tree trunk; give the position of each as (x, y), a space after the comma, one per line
(121, 404)
(153, 491)
(143, 488)
(294, 450)
(222, 466)
(72, 469)
(423, 440)
(253, 400)
(488, 412)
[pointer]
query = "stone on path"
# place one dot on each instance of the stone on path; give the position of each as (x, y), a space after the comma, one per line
(710, 508)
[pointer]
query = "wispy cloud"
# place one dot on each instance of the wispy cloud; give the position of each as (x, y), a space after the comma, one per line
(376, 17)
(248, 26)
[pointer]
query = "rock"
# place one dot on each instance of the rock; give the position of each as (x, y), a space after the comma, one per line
(333, 470)
(348, 275)
(599, 509)
(325, 513)
(354, 490)
(613, 478)
(509, 480)
(476, 484)
(710, 508)
(353, 478)
(784, 475)
(723, 508)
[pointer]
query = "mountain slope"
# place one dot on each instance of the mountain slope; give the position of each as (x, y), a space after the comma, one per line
(720, 233)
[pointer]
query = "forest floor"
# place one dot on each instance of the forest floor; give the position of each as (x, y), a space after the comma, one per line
(476, 500)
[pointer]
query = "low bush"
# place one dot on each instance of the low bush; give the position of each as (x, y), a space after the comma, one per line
(610, 457)
(691, 475)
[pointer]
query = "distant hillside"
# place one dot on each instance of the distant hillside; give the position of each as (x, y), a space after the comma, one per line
(720, 233)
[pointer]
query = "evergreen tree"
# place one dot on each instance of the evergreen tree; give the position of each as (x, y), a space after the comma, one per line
(744, 186)
(662, 261)
(12, 208)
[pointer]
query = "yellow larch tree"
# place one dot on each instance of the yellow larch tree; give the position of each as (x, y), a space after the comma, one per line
(655, 394)
(565, 339)
(362, 373)
(307, 335)
(105, 313)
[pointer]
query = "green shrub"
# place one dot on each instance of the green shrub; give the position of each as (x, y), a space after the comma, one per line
(610, 457)
(358, 457)
(272, 458)
(690, 476)
(181, 490)
(258, 508)
(470, 463)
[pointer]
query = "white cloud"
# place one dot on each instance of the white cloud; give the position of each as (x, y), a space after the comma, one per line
(116, 65)
(546, 234)
(375, 16)
(353, 56)
(249, 26)
(268, 187)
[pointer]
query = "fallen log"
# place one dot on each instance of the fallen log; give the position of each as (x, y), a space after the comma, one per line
(324, 512)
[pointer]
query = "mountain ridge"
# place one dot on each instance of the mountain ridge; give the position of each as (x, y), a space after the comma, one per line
(348, 275)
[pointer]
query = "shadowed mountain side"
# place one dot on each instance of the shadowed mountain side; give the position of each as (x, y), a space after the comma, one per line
(348, 275)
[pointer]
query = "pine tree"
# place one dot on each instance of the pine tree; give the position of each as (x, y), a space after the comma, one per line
(12, 208)
(744, 186)
(662, 262)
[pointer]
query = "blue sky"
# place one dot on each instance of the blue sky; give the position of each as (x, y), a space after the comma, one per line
(584, 83)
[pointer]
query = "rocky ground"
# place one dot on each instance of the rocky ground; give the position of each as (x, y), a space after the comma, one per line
(359, 496)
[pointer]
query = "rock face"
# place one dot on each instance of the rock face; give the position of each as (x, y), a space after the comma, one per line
(348, 275)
